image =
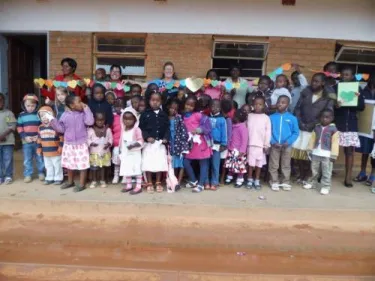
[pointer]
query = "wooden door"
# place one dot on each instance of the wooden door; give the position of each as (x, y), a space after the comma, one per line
(20, 72)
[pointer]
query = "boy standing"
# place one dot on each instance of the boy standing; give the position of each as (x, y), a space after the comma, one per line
(27, 127)
(7, 128)
(324, 150)
(285, 132)
(50, 144)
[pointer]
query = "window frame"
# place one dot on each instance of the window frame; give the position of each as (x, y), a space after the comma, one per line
(356, 48)
(135, 55)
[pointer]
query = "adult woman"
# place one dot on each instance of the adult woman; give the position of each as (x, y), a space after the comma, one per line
(168, 77)
(68, 67)
(115, 74)
(239, 94)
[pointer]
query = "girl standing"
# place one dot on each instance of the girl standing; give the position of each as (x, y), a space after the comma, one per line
(259, 127)
(154, 124)
(59, 106)
(178, 140)
(116, 132)
(314, 99)
(347, 123)
(131, 143)
(75, 154)
(98, 103)
(199, 130)
(236, 160)
(100, 140)
(213, 92)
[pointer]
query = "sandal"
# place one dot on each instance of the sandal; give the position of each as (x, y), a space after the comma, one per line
(124, 190)
(79, 188)
(362, 177)
(67, 185)
(198, 189)
(135, 191)
(150, 188)
(159, 187)
(369, 180)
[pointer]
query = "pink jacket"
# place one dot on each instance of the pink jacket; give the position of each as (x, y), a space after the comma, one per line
(259, 127)
(116, 129)
(92, 138)
(240, 137)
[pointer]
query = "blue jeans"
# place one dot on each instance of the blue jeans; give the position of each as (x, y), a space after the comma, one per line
(29, 153)
(6, 161)
(203, 171)
(215, 167)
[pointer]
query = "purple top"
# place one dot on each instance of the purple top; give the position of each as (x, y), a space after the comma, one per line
(73, 124)
(240, 137)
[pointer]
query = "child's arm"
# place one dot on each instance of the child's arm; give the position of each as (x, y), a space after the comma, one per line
(335, 146)
(61, 143)
(204, 126)
(142, 126)
(273, 139)
(223, 131)
(12, 123)
(267, 138)
(109, 139)
(311, 144)
(88, 117)
(167, 133)
(20, 130)
(39, 144)
(244, 140)
(58, 125)
(295, 131)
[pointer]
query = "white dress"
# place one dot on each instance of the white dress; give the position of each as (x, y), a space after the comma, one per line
(131, 160)
(154, 157)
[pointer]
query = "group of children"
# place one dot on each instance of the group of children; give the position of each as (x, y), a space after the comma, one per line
(204, 134)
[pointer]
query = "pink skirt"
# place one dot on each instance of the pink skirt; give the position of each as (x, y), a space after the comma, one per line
(256, 157)
(75, 157)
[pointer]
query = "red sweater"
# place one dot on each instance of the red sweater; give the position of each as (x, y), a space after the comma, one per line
(78, 91)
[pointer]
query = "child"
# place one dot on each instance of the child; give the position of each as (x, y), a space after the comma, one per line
(347, 124)
(27, 127)
(213, 92)
(246, 108)
(181, 95)
(226, 108)
(134, 103)
(111, 97)
(299, 83)
(100, 75)
(154, 124)
(330, 68)
(324, 150)
(50, 144)
(142, 105)
(7, 127)
(314, 99)
(281, 89)
(228, 97)
(204, 104)
(199, 130)
(367, 143)
(131, 143)
(116, 133)
(100, 140)
(259, 126)
(285, 132)
(178, 139)
(236, 160)
(135, 90)
(220, 140)
(61, 94)
(98, 103)
(75, 153)
(264, 89)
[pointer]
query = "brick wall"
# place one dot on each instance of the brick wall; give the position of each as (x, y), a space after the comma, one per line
(311, 53)
(77, 45)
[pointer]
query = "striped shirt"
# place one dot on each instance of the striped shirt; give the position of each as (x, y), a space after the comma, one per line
(50, 142)
(27, 125)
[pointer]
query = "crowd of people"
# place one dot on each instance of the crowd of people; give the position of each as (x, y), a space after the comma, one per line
(150, 134)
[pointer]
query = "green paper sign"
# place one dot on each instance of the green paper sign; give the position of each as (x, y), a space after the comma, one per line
(347, 93)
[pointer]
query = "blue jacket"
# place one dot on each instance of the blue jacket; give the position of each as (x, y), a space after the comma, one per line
(284, 128)
(219, 129)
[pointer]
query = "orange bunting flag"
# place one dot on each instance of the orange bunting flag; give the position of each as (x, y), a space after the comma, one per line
(286, 66)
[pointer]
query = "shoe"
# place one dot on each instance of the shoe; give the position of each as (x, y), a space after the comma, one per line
(286, 187)
(324, 191)
(177, 188)
(275, 187)
(257, 186)
(238, 184)
(135, 191)
(93, 184)
(48, 182)
(123, 180)
(41, 177)
(191, 184)
(79, 188)
(228, 180)
(348, 185)
(207, 187)
(198, 189)
(27, 179)
(250, 184)
(58, 182)
(8, 181)
(307, 186)
(67, 185)
(103, 184)
(373, 189)
(115, 180)
(124, 190)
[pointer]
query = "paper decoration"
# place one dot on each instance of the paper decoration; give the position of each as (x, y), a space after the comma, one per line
(87, 81)
(279, 71)
(72, 84)
(215, 83)
(228, 85)
(358, 77)
(49, 83)
(286, 66)
(194, 84)
(347, 93)
(365, 119)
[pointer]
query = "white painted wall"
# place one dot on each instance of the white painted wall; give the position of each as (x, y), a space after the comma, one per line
(343, 19)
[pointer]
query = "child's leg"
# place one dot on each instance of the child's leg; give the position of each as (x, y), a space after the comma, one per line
(257, 185)
(215, 168)
(223, 171)
(138, 185)
(70, 176)
(315, 169)
(102, 171)
(364, 159)
(150, 187)
(116, 175)
(348, 165)
(203, 174)
(58, 175)
(181, 175)
(159, 187)
(285, 165)
(7, 162)
(325, 181)
(27, 161)
(39, 162)
(128, 184)
(250, 177)
(229, 178)
(82, 177)
(50, 169)
(273, 165)
(190, 172)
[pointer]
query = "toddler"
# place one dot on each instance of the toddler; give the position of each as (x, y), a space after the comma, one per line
(116, 133)
(98, 103)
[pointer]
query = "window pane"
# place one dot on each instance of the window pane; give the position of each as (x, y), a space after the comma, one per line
(122, 45)
(358, 56)
(240, 50)
(132, 66)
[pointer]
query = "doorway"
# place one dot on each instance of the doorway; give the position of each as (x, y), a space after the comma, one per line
(23, 57)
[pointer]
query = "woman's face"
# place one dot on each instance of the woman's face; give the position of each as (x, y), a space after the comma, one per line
(235, 73)
(168, 71)
(115, 74)
(212, 75)
(66, 69)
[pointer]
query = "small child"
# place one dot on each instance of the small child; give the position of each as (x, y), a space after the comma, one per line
(285, 132)
(204, 104)
(131, 143)
(134, 103)
(259, 126)
(213, 92)
(181, 95)
(111, 97)
(61, 94)
(178, 139)
(299, 83)
(323, 149)
(75, 153)
(154, 124)
(281, 89)
(116, 132)
(228, 97)
(246, 108)
(27, 127)
(264, 89)
(236, 160)
(100, 140)
(142, 105)
(50, 144)
(135, 90)
(98, 103)
(219, 137)
(199, 129)
(226, 108)
(100, 75)
(7, 128)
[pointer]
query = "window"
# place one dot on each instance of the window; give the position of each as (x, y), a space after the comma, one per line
(362, 59)
(250, 56)
(126, 50)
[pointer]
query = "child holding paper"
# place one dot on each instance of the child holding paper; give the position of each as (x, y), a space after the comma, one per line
(347, 123)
